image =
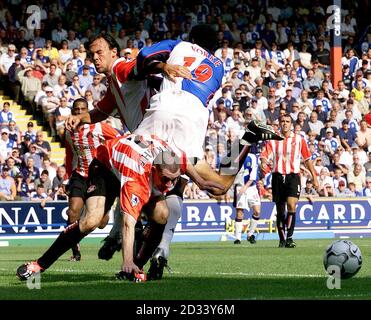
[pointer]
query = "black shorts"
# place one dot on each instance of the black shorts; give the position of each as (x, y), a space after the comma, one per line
(102, 182)
(77, 186)
(284, 186)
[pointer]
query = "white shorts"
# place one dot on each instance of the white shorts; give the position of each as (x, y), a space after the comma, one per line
(248, 199)
(179, 118)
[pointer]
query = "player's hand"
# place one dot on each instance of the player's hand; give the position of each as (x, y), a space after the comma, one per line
(72, 122)
(173, 70)
(130, 267)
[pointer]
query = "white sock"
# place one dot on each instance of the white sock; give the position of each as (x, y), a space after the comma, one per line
(175, 204)
(115, 232)
(253, 224)
(238, 229)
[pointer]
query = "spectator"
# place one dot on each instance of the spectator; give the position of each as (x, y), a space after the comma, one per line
(61, 194)
(308, 191)
(326, 184)
(6, 115)
(366, 192)
(7, 59)
(347, 135)
(30, 132)
(89, 99)
(14, 134)
(25, 145)
(59, 34)
(6, 145)
(59, 178)
(15, 85)
(30, 172)
(358, 177)
(85, 79)
(364, 137)
(51, 78)
(48, 105)
(48, 166)
(314, 124)
(342, 191)
(23, 191)
(75, 90)
(45, 181)
(34, 155)
(61, 114)
(42, 146)
(30, 85)
(40, 195)
(337, 177)
(8, 189)
(13, 168)
(65, 53)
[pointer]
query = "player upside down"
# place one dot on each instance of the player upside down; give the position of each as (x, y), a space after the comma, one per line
(177, 114)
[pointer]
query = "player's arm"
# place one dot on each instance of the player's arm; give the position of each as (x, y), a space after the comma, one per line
(128, 233)
(305, 153)
(208, 185)
(264, 156)
(152, 60)
(149, 57)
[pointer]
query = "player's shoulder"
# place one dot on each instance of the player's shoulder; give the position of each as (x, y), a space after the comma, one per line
(121, 68)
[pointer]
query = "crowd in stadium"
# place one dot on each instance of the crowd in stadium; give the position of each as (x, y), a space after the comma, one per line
(276, 60)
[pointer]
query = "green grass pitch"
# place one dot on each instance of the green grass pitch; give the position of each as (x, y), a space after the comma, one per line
(203, 270)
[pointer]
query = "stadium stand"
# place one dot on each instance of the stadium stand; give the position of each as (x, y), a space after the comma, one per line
(276, 59)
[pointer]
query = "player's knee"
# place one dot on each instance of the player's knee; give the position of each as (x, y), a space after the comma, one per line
(161, 215)
(74, 213)
(88, 225)
(103, 222)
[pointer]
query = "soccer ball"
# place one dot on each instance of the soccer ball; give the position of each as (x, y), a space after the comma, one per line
(344, 254)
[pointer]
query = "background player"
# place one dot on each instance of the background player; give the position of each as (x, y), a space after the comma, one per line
(286, 156)
(81, 147)
(246, 196)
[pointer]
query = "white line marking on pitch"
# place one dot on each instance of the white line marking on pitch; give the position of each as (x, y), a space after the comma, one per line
(260, 274)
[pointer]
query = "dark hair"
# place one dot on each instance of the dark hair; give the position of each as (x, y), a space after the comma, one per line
(112, 43)
(45, 172)
(167, 160)
(204, 35)
(80, 100)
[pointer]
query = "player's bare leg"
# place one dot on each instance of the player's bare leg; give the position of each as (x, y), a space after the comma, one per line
(238, 226)
(290, 221)
(75, 205)
(253, 224)
(73, 234)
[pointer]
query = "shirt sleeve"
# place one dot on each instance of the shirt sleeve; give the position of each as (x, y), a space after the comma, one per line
(266, 151)
(134, 195)
(109, 132)
(305, 153)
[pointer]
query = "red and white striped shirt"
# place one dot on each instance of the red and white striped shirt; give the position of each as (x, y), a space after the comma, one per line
(82, 144)
(131, 159)
(286, 154)
(129, 97)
